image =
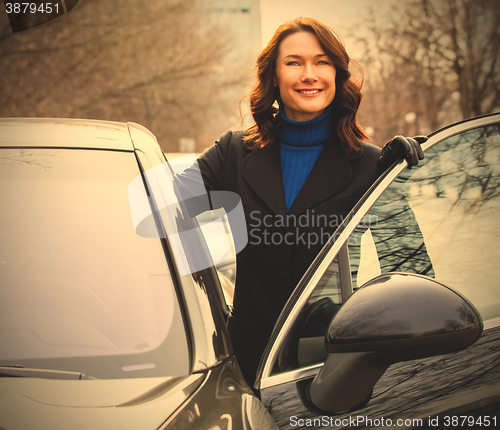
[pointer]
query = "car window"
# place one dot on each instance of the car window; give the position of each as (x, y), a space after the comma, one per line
(305, 343)
(440, 219)
(81, 291)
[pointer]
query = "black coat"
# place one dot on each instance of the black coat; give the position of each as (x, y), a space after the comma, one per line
(281, 245)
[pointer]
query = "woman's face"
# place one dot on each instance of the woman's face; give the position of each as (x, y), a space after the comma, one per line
(305, 77)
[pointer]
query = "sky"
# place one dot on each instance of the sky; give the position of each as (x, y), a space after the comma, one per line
(340, 15)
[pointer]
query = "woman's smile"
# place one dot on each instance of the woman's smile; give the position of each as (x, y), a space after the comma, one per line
(309, 92)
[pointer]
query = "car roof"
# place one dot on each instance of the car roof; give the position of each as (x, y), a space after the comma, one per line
(64, 133)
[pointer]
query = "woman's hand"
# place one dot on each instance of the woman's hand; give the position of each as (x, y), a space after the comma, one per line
(402, 147)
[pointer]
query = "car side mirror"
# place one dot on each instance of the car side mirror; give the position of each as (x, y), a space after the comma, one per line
(394, 317)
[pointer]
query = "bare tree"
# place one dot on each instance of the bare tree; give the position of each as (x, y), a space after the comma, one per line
(156, 63)
(474, 50)
(431, 62)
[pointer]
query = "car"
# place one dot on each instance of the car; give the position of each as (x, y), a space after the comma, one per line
(112, 313)
(102, 322)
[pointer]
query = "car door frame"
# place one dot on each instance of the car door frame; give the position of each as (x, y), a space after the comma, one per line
(337, 245)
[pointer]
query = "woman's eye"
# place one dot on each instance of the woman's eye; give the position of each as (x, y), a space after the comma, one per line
(292, 63)
(323, 63)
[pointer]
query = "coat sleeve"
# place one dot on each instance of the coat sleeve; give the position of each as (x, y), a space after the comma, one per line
(207, 174)
(212, 163)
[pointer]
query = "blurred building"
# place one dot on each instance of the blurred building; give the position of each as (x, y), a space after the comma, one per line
(241, 22)
(242, 16)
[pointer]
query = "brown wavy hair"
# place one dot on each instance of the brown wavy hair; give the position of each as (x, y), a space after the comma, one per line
(264, 94)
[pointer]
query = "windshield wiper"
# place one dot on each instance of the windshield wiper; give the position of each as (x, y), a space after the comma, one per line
(18, 371)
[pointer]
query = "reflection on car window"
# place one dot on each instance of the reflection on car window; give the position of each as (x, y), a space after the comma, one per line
(305, 343)
(389, 238)
(81, 291)
(441, 219)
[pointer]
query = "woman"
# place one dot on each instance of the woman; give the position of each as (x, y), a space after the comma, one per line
(298, 171)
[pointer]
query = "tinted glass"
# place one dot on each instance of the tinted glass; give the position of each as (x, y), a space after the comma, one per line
(441, 219)
(305, 343)
(79, 289)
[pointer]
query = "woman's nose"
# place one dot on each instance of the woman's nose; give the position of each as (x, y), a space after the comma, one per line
(308, 74)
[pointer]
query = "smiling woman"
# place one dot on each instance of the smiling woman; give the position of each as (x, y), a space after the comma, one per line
(305, 158)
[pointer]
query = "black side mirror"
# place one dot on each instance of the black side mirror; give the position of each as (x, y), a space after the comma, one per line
(394, 317)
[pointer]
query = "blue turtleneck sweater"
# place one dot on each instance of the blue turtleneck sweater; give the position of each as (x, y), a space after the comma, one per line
(300, 146)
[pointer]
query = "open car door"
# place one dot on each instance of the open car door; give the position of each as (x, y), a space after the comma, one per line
(380, 327)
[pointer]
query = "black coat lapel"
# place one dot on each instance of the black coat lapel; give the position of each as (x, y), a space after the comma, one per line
(262, 170)
(331, 174)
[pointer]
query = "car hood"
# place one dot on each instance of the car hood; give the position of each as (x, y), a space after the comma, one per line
(29, 403)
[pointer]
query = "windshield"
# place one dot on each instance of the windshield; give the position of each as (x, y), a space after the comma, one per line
(80, 291)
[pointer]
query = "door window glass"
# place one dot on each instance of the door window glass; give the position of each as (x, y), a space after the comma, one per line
(305, 343)
(441, 219)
